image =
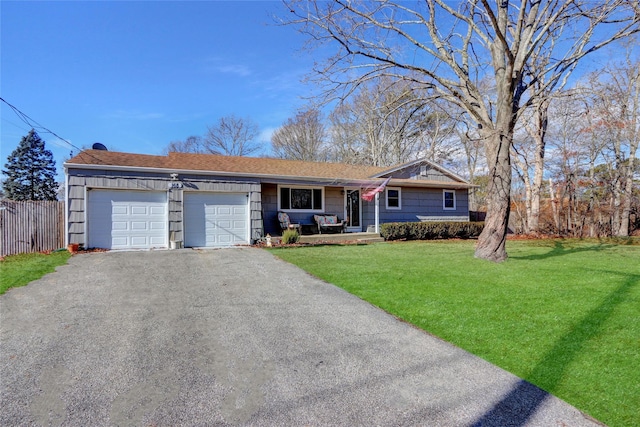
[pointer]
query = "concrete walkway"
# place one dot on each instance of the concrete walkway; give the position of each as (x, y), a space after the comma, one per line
(235, 337)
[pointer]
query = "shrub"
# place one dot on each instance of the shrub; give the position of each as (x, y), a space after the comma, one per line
(430, 230)
(290, 236)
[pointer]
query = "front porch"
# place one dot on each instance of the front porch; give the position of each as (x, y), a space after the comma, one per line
(336, 238)
(342, 237)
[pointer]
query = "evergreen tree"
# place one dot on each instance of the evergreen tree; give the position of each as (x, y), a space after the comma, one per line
(30, 171)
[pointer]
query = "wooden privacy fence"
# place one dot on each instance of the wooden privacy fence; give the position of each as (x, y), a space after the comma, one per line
(30, 226)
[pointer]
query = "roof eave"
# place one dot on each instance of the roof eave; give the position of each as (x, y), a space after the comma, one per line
(267, 177)
(272, 178)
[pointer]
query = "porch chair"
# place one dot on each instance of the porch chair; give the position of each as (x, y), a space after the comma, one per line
(330, 223)
(285, 223)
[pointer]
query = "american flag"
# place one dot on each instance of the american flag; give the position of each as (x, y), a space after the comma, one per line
(369, 194)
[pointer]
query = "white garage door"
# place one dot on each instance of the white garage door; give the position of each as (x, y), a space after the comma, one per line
(120, 219)
(216, 219)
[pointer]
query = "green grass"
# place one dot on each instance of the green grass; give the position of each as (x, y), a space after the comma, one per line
(18, 270)
(561, 314)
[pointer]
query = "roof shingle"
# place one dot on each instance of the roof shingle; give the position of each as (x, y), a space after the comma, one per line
(226, 164)
(276, 169)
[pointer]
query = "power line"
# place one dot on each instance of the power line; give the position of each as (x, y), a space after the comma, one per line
(33, 124)
(15, 124)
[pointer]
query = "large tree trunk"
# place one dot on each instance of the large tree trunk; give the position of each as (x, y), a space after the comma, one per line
(616, 201)
(623, 230)
(492, 241)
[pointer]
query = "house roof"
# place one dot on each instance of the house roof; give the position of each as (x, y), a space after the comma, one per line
(263, 167)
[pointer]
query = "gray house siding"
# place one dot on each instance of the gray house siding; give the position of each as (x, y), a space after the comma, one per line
(270, 209)
(423, 171)
(333, 204)
(81, 181)
(334, 201)
(418, 204)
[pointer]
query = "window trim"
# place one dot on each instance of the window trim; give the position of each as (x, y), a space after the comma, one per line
(303, 187)
(444, 200)
(386, 198)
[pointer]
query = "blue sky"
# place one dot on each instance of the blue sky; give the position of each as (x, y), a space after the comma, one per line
(137, 75)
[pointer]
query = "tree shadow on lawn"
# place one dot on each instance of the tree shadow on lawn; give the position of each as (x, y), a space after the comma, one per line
(523, 401)
(565, 248)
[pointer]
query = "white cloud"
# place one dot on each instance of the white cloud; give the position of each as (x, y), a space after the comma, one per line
(266, 134)
(134, 115)
(239, 70)
(221, 65)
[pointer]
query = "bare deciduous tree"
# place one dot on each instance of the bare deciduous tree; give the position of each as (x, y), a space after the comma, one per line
(301, 137)
(193, 144)
(232, 136)
(444, 47)
(474, 162)
(383, 122)
(387, 122)
(346, 145)
(615, 97)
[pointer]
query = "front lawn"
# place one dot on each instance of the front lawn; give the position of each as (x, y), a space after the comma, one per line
(562, 314)
(18, 270)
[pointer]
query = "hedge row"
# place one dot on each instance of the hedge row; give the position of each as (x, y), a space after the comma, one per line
(430, 230)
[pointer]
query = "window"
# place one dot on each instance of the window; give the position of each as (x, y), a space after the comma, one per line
(394, 198)
(448, 199)
(300, 198)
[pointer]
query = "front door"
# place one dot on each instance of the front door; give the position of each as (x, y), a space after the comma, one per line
(353, 209)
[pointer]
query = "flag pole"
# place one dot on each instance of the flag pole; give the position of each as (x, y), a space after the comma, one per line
(377, 212)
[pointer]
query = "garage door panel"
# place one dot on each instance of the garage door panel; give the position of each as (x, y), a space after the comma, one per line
(120, 210)
(139, 226)
(224, 210)
(215, 219)
(157, 210)
(139, 241)
(139, 210)
(119, 241)
(120, 226)
(120, 219)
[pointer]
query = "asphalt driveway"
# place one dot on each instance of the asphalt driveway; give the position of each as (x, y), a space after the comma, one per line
(235, 337)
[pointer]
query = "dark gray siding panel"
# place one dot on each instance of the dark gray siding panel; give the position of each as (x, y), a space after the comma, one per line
(270, 209)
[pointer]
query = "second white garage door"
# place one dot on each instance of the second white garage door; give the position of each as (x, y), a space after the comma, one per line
(216, 219)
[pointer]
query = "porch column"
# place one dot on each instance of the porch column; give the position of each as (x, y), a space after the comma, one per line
(377, 209)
